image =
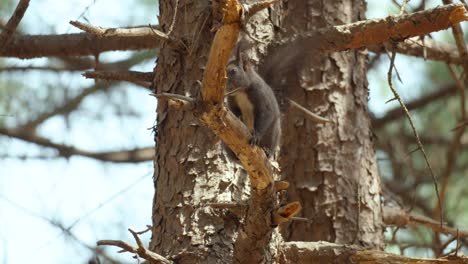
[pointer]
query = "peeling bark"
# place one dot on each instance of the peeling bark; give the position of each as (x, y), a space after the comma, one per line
(191, 172)
(331, 167)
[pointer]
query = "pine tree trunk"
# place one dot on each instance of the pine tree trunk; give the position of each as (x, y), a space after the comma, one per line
(331, 167)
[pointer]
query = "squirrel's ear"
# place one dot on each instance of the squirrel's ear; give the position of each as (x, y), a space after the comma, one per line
(240, 61)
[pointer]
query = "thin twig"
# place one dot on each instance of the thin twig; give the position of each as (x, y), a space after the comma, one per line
(403, 106)
(314, 117)
(252, 9)
(403, 6)
(140, 251)
(66, 151)
(174, 96)
(423, 101)
(171, 27)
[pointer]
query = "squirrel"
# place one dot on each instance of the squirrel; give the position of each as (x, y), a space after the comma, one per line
(253, 101)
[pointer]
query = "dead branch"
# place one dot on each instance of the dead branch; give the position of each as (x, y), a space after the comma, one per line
(416, 135)
(66, 151)
(84, 63)
(401, 218)
(427, 49)
(34, 68)
(81, 44)
(12, 24)
(174, 96)
(356, 35)
(80, 64)
(121, 32)
(253, 8)
(140, 251)
(397, 112)
(129, 76)
(325, 252)
(67, 107)
(65, 230)
(377, 31)
(454, 147)
(309, 114)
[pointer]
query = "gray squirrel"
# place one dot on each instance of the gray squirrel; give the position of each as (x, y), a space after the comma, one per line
(253, 101)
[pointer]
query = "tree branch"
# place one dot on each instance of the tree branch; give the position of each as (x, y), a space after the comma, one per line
(452, 152)
(325, 252)
(254, 236)
(66, 151)
(140, 251)
(366, 33)
(13, 23)
(80, 64)
(427, 49)
(377, 31)
(129, 76)
(120, 32)
(81, 44)
(68, 106)
(399, 217)
(397, 112)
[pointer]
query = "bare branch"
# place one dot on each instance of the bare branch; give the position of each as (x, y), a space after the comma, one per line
(132, 156)
(80, 64)
(377, 31)
(121, 32)
(68, 106)
(129, 76)
(141, 251)
(325, 252)
(416, 134)
(177, 100)
(428, 49)
(315, 118)
(452, 152)
(35, 68)
(252, 9)
(81, 44)
(174, 16)
(399, 217)
(455, 145)
(90, 63)
(12, 24)
(338, 38)
(397, 112)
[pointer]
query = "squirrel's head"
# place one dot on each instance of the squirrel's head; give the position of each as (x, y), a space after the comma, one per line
(236, 76)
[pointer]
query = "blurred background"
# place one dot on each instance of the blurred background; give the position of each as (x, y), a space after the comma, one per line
(57, 200)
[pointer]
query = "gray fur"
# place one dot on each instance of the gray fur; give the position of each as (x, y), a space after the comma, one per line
(250, 90)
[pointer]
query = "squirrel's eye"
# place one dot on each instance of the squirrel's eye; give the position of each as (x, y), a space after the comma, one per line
(232, 71)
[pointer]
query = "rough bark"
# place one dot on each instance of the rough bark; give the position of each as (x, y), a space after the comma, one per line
(191, 174)
(331, 167)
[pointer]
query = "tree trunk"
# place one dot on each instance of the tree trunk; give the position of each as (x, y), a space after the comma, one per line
(331, 167)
